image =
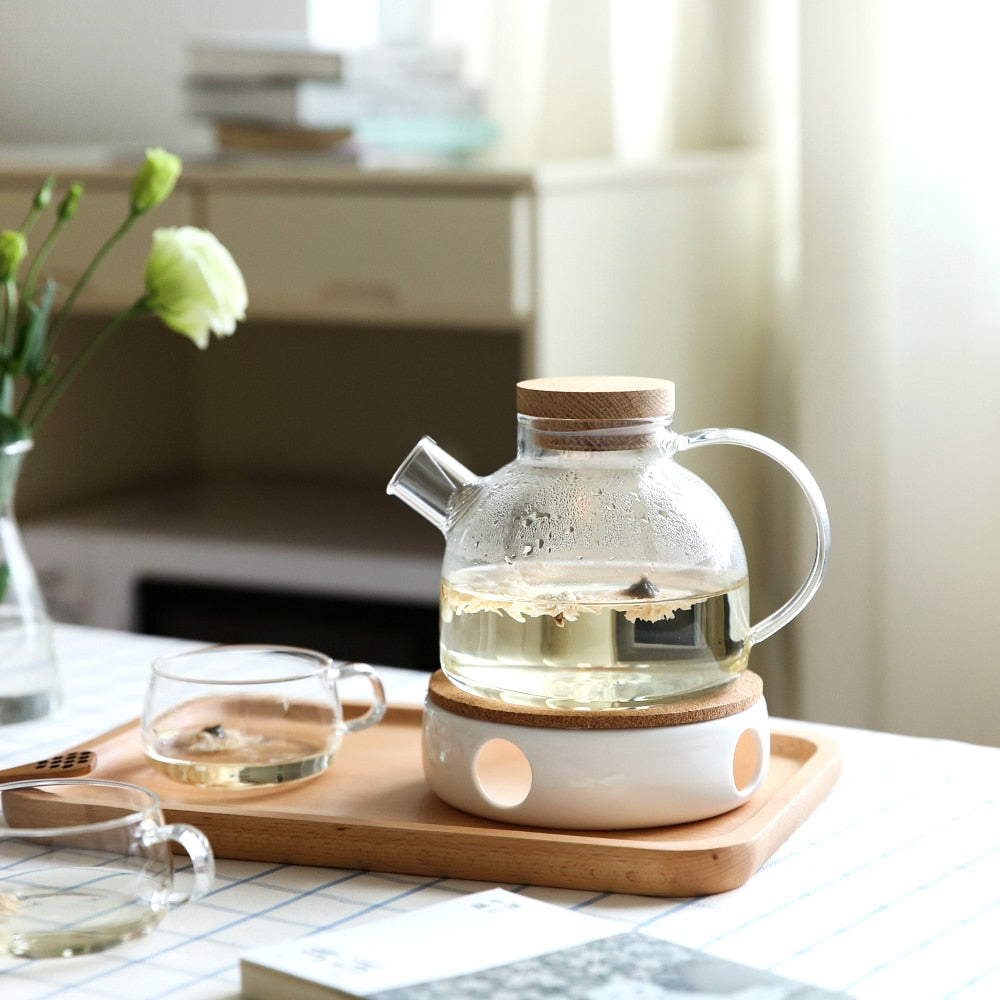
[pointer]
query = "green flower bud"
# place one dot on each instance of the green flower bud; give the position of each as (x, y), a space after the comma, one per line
(13, 249)
(155, 180)
(67, 207)
(44, 194)
(193, 284)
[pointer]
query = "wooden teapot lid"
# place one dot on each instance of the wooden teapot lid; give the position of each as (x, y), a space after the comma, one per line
(737, 696)
(596, 398)
(595, 413)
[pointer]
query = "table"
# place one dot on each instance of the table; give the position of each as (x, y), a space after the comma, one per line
(888, 890)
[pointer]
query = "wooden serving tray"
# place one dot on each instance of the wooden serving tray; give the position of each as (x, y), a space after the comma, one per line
(372, 810)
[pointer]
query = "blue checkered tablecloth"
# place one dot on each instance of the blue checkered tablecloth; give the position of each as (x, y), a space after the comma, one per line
(888, 890)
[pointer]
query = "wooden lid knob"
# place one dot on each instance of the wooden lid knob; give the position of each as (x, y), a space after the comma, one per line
(595, 397)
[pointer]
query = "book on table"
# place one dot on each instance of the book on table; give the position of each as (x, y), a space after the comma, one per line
(284, 93)
(253, 55)
(328, 104)
(499, 943)
(247, 136)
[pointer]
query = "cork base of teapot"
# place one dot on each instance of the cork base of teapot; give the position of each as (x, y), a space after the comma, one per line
(616, 769)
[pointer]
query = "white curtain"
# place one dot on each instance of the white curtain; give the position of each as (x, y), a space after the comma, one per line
(900, 360)
(885, 364)
(627, 79)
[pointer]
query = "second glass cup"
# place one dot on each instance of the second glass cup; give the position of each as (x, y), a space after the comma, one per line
(86, 865)
(247, 716)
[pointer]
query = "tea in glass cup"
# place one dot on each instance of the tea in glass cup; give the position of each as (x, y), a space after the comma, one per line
(86, 865)
(249, 716)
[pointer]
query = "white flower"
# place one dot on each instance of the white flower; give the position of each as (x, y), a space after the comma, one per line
(193, 284)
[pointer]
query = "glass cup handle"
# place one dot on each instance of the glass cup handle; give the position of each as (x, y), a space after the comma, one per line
(376, 711)
(199, 850)
(817, 506)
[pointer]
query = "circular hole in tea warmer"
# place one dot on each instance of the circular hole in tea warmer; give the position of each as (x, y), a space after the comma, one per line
(502, 773)
(748, 760)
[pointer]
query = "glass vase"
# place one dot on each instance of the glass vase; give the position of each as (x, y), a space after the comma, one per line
(29, 676)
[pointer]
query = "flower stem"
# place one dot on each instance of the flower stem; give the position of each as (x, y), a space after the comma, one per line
(9, 317)
(95, 263)
(62, 382)
(39, 258)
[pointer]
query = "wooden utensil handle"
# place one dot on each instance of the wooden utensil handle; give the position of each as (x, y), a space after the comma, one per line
(71, 764)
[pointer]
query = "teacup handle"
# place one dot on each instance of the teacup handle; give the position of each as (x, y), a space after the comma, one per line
(817, 506)
(199, 850)
(376, 711)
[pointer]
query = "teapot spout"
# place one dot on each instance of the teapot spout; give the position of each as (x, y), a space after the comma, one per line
(428, 479)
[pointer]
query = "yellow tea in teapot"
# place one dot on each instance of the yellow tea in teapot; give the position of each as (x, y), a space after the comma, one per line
(612, 639)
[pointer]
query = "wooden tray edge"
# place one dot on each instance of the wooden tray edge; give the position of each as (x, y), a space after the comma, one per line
(527, 855)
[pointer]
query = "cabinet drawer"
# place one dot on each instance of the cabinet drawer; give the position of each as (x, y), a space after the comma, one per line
(118, 282)
(452, 259)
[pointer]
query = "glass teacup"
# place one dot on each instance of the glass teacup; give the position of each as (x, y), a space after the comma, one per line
(247, 716)
(85, 865)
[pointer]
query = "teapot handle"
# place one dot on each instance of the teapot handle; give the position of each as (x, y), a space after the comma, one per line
(817, 506)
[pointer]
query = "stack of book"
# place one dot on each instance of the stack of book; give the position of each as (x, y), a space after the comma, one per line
(270, 93)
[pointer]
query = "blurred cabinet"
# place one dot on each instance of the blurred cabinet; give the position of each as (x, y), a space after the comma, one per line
(595, 267)
(398, 256)
(383, 304)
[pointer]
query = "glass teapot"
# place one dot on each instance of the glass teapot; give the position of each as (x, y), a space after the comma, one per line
(593, 572)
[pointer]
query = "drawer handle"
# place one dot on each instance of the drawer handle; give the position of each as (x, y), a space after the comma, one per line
(378, 292)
